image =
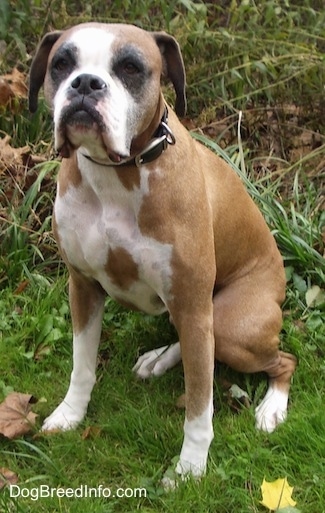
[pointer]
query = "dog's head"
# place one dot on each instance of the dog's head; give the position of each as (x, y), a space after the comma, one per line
(102, 82)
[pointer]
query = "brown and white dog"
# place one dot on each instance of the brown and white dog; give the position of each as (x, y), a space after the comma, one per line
(157, 221)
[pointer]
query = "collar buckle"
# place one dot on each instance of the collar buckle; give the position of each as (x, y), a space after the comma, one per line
(156, 146)
(152, 151)
(170, 138)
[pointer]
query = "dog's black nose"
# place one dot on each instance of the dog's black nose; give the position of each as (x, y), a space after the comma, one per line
(87, 84)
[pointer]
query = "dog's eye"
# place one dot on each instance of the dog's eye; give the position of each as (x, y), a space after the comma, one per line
(61, 64)
(130, 68)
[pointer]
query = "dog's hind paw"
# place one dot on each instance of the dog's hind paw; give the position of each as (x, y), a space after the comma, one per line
(157, 361)
(63, 418)
(272, 410)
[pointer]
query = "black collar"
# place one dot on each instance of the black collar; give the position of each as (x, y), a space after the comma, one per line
(162, 137)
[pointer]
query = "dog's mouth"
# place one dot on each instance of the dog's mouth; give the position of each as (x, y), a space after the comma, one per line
(80, 123)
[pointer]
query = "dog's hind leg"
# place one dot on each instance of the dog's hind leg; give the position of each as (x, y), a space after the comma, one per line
(273, 409)
(247, 322)
(157, 361)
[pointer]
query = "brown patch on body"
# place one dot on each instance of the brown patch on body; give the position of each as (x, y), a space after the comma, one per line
(129, 176)
(85, 296)
(69, 174)
(121, 268)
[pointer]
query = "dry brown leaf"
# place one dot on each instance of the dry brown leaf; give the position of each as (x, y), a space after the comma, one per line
(7, 477)
(6, 93)
(16, 417)
(47, 432)
(17, 167)
(17, 81)
(12, 86)
(91, 432)
(12, 158)
(21, 287)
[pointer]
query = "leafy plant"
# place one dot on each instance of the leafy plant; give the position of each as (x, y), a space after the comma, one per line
(26, 229)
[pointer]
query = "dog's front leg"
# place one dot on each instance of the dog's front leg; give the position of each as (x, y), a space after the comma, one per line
(87, 306)
(197, 348)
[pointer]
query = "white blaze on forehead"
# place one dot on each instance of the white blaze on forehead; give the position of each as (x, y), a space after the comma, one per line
(94, 47)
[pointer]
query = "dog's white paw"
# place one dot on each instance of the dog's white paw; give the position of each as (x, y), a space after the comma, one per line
(272, 410)
(64, 418)
(157, 361)
(192, 462)
(181, 471)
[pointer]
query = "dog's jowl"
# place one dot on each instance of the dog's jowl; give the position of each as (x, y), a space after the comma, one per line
(154, 219)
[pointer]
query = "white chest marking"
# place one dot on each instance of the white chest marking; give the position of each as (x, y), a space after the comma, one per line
(100, 216)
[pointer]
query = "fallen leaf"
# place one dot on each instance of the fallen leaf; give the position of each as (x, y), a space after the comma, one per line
(237, 398)
(277, 494)
(12, 86)
(47, 432)
(91, 432)
(7, 477)
(13, 159)
(17, 82)
(6, 92)
(21, 287)
(16, 419)
(315, 296)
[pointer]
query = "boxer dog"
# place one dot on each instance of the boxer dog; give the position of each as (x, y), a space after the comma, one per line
(153, 218)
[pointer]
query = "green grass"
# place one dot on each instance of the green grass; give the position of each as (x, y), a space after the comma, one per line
(141, 429)
(254, 57)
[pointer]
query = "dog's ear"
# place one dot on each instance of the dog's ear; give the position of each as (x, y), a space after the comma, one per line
(38, 67)
(173, 67)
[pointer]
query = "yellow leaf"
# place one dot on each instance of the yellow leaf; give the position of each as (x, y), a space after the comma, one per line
(277, 494)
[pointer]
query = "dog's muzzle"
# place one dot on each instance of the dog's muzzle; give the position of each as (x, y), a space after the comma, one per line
(84, 93)
(81, 113)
